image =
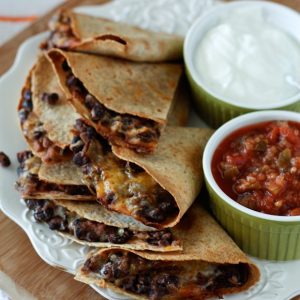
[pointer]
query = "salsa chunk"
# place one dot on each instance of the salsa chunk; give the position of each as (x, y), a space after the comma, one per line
(259, 167)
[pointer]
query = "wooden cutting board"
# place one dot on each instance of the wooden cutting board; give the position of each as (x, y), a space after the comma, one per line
(18, 260)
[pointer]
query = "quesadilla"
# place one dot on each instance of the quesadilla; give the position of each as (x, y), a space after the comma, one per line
(46, 118)
(126, 102)
(155, 189)
(210, 265)
(89, 223)
(78, 32)
(63, 180)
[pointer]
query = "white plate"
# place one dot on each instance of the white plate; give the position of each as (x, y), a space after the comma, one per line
(279, 281)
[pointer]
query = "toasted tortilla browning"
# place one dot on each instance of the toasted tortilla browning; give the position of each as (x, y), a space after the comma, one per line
(83, 33)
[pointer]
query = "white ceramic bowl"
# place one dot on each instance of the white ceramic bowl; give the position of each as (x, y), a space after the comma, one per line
(259, 234)
(212, 106)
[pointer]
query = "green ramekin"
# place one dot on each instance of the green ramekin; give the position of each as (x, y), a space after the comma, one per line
(258, 234)
(213, 108)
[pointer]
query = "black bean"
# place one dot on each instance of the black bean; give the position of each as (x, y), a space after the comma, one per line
(72, 81)
(76, 144)
(23, 114)
(27, 104)
(110, 197)
(146, 136)
(127, 121)
(97, 112)
(4, 160)
(91, 132)
(80, 159)
(23, 156)
(90, 101)
(27, 95)
(154, 214)
(50, 98)
(65, 66)
(43, 214)
(58, 223)
(38, 133)
(119, 235)
(107, 270)
(160, 238)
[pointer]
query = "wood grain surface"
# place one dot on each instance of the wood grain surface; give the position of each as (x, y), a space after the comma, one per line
(18, 259)
(9, 49)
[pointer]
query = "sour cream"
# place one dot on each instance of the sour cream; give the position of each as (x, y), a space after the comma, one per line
(247, 59)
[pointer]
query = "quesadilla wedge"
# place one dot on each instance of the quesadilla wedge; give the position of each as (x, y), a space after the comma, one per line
(46, 118)
(50, 181)
(126, 102)
(210, 265)
(83, 33)
(155, 189)
(89, 223)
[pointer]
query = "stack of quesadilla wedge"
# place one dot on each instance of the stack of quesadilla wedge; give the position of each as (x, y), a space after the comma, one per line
(110, 165)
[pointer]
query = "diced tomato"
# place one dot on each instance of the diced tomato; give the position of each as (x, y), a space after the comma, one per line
(265, 178)
(273, 135)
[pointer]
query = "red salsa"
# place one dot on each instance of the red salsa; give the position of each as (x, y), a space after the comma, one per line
(259, 167)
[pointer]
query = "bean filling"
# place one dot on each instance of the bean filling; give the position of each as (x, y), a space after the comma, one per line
(61, 219)
(121, 186)
(165, 279)
(259, 167)
(121, 129)
(61, 34)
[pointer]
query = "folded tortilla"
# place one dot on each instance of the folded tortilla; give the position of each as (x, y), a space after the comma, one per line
(210, 265)
(155, 189)
(83, 33)
(55, 122)
(46, 126)
(126, 102)
(89, 223)
(38, 180)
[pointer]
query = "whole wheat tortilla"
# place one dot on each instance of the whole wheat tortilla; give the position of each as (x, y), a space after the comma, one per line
(175, 165)
(203, 240)
(179, 111)
(56, 120)
(105, 37)
(139, 89)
